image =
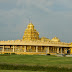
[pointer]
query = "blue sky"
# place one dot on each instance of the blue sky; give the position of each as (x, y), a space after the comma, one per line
(50, 17)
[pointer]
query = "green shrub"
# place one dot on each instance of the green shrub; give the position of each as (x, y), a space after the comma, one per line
(6, 53)
(33, 68)
(47, 54)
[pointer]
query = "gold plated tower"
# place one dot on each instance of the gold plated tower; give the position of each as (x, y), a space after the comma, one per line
(30, 33)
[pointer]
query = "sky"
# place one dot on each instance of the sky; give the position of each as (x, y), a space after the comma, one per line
(50, 17)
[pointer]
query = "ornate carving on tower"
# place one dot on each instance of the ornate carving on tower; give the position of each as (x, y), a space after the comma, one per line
(31, 33)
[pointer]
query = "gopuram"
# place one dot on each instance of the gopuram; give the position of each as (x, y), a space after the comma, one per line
(31, 43)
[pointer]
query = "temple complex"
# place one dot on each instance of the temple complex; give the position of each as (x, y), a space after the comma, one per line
(31, 43)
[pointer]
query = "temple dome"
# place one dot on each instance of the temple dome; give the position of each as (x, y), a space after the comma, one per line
(55, 39)
(30, 26)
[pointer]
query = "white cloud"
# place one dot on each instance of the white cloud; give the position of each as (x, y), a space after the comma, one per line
(7, 1)
(42, 4)
(45, 4)
(8, 17)
(65, 3)
(2, 1)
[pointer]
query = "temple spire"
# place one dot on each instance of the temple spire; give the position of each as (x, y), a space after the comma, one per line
(30, 20)
(30, 33)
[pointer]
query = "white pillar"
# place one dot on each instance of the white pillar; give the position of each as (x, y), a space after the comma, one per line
(3, 48)
(30, 49)
(61, 50)
(47, 50)
(41, 48)
(58, 50)
(24, 48)
(13, 48)
(65, 50)
(36, 48)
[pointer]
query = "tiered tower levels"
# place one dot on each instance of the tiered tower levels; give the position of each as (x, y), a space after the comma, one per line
(31, 33)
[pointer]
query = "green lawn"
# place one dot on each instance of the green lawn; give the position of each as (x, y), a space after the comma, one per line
(18, 71)
(37, 60)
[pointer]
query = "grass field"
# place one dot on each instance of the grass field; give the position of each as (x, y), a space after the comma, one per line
(18, 71)
(52, 63)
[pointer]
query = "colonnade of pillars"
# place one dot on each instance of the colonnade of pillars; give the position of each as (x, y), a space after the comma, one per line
(47, 49)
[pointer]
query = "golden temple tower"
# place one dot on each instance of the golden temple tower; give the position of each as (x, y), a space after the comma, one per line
(31, 33)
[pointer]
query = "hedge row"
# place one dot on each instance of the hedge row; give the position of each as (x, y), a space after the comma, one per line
(33, 68)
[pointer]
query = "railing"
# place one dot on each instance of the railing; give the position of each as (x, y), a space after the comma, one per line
(30, 50)
(8, 51)
(41, 51)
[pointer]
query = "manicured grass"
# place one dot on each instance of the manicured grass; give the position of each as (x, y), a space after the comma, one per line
(31, 62)
(37, 60)
(18, 71)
